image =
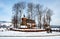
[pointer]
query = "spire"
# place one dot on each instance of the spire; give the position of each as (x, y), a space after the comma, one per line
(23, 15)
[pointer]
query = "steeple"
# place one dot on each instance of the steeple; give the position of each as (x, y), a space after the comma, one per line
(23, 15)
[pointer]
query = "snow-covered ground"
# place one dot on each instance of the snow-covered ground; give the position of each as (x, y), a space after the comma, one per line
(55, 28)
(52, 37)
(5, 34)
(27, 34)
(7, 24)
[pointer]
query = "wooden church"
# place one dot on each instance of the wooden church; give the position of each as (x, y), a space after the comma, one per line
(29, 23)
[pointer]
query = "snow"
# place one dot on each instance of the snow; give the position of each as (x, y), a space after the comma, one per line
(2, 29)
(27, 34)
(7, 24)
(56, 37)
(55, 28)
(23, 26)
(27, 29)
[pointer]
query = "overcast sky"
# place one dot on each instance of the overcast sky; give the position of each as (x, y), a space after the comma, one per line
(6, 9)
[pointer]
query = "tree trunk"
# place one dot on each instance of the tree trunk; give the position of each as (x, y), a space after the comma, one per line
(40, 22)
(20, 18)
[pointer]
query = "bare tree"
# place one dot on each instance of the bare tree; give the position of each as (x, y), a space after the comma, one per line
(14, 21)
(18, 9)
(21, 8)
(47, 18)
(49, 13)
(15, 9)
(39, 13)
(30, 10)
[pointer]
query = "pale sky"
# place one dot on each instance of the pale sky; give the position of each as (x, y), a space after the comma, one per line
(6, 9)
